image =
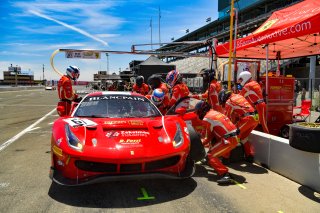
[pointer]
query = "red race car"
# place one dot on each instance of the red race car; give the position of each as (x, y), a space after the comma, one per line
(121, 135)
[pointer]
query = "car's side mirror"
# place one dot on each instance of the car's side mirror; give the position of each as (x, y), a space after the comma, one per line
(181, 111)
(61, 111)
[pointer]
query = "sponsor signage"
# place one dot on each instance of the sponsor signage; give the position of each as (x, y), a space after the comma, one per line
(83, 54)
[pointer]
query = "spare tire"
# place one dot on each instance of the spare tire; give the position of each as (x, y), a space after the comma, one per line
(305, 136)
(197, 151)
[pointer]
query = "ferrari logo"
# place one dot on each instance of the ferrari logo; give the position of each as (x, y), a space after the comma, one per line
(265, 26)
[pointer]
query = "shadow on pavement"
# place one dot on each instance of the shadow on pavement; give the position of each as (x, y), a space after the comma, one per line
(248, 167)
(309, 193)
(122, 194)
(211, 175)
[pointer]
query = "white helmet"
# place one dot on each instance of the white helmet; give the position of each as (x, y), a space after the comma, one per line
(73, 72)
(245, 76)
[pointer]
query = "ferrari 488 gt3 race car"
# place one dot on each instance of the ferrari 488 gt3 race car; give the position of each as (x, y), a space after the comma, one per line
(121, 135)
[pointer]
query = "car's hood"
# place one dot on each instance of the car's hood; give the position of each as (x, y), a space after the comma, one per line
(131, 137)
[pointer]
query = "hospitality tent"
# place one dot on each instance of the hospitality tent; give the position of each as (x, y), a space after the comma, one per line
(290, 32)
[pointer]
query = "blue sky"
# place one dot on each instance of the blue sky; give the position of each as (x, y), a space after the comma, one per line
(32, 29)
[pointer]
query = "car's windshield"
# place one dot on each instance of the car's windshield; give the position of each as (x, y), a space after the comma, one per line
(116, 106)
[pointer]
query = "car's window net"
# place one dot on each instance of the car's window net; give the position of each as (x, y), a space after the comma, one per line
(116, 106)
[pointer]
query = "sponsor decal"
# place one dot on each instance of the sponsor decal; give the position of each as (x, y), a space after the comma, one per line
(129, 141)
(137, 133)
(117, 97)
(58, 142)
(114, 122)
(135, 122)
(266, 26)
(112, 134)
(75, 122)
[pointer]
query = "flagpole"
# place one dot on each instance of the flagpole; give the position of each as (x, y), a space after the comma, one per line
(230, 44)
(151, 32)
(159, 27)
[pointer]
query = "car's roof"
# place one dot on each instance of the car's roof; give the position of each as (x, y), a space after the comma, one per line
(115, 93)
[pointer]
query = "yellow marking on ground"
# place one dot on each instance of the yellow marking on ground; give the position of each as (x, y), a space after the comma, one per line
(239, 184)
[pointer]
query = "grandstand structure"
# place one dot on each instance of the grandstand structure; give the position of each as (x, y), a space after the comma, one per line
(251, 14)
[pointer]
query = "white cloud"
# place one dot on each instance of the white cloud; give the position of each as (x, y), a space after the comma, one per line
(107, 35)
(69, 27)
(13, 53)
(92, 15)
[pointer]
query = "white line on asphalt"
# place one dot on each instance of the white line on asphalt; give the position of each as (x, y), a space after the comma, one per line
(34, 128)
(4, 185)
(13, 139)
(51, 123)
(23, 90)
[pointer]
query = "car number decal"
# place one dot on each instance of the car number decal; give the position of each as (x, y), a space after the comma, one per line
(80, 122)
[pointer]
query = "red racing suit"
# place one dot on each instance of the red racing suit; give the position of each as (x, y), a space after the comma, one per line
(239, 110)
(66, 93)
(163, 107)
(144, 89)
(220, 127)
(253, 94)
(212, 95)
(178, 91)
(164, 88)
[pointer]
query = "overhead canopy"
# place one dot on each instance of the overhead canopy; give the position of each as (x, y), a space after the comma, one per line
(290, 32)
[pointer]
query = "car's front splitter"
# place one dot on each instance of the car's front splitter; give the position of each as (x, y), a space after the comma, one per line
(57, 177)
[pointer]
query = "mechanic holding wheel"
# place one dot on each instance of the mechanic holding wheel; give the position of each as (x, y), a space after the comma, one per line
(65, 92)
(220, 127)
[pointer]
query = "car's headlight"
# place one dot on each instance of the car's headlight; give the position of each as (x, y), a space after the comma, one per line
(178, 137)
(72, 140)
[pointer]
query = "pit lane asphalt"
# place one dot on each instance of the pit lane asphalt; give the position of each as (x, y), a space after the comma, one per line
(26, 187)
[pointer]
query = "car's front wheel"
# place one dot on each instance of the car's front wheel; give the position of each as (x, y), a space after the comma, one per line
(197, 151)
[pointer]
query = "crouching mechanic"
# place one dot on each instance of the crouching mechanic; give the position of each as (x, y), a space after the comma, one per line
(65, 92)
(160, 99)
(220, 127)
(239, 110)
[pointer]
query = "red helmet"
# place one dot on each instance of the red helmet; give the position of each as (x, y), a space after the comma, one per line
(173, 77)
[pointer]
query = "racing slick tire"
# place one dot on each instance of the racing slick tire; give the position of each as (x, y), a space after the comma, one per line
(305, 137)
(197, 151)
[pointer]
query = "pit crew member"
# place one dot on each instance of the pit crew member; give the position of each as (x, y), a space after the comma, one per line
(252, 92)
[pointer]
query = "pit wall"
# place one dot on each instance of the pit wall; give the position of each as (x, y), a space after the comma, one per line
(276, 153)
